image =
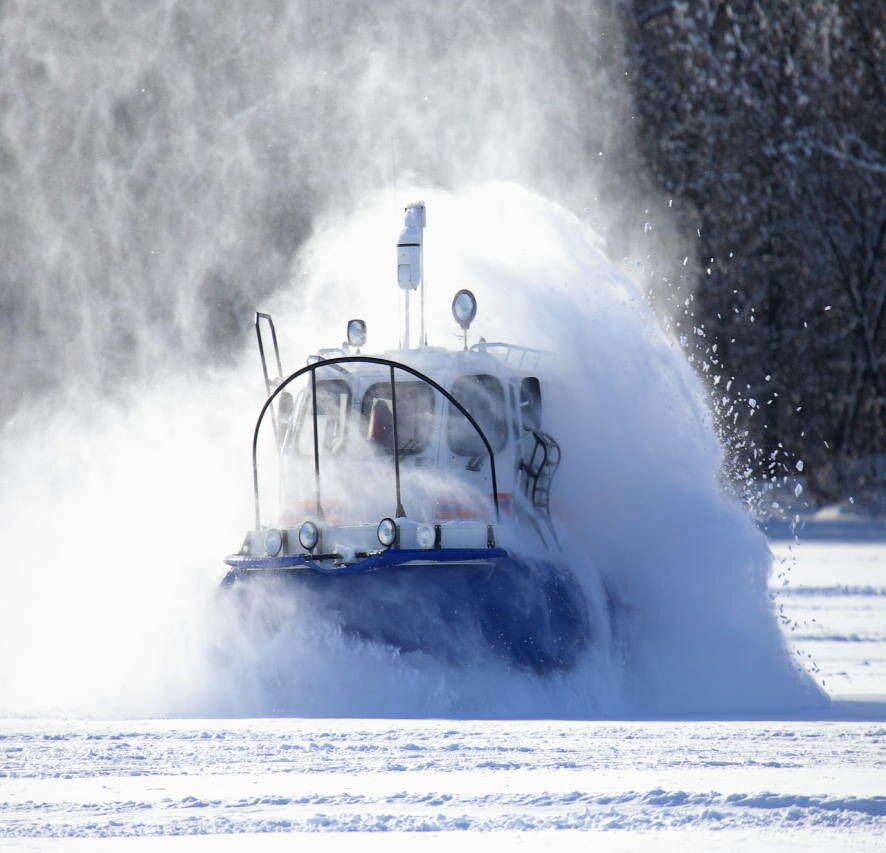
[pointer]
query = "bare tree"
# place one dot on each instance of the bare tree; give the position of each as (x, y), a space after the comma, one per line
(769, 122)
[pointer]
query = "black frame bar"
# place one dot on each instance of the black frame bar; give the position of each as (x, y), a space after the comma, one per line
(401, 513)
(363, 359)
(316, 444)
(259, 316)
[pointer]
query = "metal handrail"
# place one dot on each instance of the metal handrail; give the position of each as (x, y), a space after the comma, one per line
(259, 316)
(365, 359)
(490, 347)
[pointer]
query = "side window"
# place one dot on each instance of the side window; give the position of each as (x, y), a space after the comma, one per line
(484, 397)
(285, 416)
(415, 416)
(530, 403)
(333, 403)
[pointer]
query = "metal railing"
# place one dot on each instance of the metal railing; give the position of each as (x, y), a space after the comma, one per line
(363, 359)
(269, 322)
(512, 354)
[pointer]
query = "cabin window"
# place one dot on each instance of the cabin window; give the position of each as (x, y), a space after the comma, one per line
(484, 397)
(530, 403)
(415, 416)
(333, 403)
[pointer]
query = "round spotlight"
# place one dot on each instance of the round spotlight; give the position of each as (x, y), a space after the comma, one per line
(425, 535)
(356, 333)
(273, 542)
(464, 308)
(308, 535)
(387, 532)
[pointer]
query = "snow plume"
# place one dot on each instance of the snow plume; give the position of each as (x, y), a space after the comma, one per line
(692, 626)
(113, 558)
(161, 161)
(167, 167)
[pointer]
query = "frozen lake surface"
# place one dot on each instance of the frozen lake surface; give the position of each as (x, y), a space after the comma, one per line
(68, 780)
(808, 783)
(835, 599)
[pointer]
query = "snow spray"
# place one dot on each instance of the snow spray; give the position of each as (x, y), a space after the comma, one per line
(168, 198)
(113, 609)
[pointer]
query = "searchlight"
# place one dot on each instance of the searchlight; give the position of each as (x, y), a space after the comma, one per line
(464, 309)
(356, 334)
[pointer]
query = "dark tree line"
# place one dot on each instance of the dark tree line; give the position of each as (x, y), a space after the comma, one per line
(767, 121)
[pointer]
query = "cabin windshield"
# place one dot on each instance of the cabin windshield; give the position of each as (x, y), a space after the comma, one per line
(484, 397)
(333, 403)
(415, 416)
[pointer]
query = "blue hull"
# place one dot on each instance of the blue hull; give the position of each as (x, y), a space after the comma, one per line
(532, 615)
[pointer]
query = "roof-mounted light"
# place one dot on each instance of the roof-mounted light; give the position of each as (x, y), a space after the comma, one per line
(464, 308)
(356, 333)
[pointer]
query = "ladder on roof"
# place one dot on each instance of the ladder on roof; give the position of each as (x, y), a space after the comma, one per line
(537, 475)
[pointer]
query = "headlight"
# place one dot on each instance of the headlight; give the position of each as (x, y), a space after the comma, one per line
(425, 535)
(308, 535)
(273, 542)
(387, 532)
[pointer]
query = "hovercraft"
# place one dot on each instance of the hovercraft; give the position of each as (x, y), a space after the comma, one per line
(411, 498)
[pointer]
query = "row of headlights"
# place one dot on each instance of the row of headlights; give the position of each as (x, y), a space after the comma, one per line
(387, 532)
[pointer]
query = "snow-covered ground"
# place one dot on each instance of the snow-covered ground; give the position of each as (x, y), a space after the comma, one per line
(813, 783)
(833, 594)
(208, 777)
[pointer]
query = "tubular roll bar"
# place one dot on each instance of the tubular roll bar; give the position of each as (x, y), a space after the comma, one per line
(363, 359)
(259, 316)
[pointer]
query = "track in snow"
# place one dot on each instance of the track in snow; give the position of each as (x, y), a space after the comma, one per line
(66, 780)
